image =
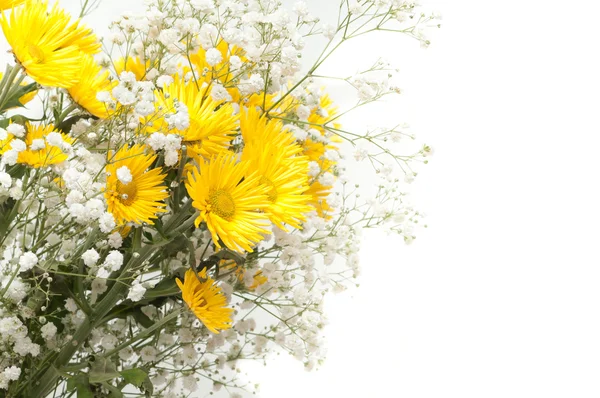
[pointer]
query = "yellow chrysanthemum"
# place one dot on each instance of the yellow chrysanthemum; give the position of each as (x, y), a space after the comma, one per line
(287, 180)
(259, 100)
(212, 124)
(258, 279)
(319, 194)
(324, 113)
(47, 155)
(6, 4)
(47, 44)
(206, 300)
(198, 60)
(133, 64)
(229, 200)
(92, 80)
(257, 129)
(24, 99)
(42, 154)
(315, 151)
(221, 72)
(140, 199)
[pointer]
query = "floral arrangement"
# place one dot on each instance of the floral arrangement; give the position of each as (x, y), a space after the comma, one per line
(173, 198)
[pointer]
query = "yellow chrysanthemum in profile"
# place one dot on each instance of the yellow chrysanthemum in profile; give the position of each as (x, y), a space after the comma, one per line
(134, 65)
(319, 194)
(287, 180)
(323, 114)
(6, 4)
(212, 124)
(141, 198)
(47, 44)
(206, 300)
(92, 80)
(24, 99)
(315, 151)
(229, 200)
(256, 129)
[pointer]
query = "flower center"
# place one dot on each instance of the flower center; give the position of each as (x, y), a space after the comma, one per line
(36, 53)
(272, 193)
(221, 202)
(126, 193)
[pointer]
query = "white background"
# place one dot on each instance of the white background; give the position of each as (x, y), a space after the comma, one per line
(500, 296)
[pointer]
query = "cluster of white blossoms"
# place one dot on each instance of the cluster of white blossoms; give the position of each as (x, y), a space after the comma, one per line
(181, 204)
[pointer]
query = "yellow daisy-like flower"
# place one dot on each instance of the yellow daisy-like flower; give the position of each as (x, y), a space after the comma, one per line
(319, 194)
(41, 154)
(47, 44)
(287, 180)
(133, 64)
(24, 99)
(198, 60)
(47, 155)
(140, 199)
(6, 4)
(92, 80)
(258, 279)
(229, 200)
(315, 151)
(325, 112)
(206, 300)
(212, 124)
(257, 129)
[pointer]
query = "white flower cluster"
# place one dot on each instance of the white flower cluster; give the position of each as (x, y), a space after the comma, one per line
(17, 345)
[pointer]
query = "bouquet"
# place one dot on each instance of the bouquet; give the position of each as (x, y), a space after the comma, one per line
(172, 196)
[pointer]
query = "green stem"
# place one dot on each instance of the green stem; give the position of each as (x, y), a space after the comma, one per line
(8, 85)
(51, 375)
(146, 332)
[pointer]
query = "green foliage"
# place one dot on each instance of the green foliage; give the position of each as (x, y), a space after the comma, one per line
(134, 376)
(102, 370)
(81, 384)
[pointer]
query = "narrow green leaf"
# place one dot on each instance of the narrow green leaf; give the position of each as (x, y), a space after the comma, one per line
(114, 391)
(81, 384)
(102, 370)
(164, 288)
(134, 376)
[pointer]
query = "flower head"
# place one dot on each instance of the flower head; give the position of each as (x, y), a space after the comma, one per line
(133, 64)
(256, 129)
(286, 179)
(40, 151)
(92, 81)
(142, 198)
(229, 199)
(47, 44)
(206, 300)
(212, 124)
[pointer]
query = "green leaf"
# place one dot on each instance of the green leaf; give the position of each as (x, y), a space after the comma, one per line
(114, 391)
(134, 376)
(16, 93)
(142, 318)
(80, 383)
(148, 387)
(102, 370)
(164, 288)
